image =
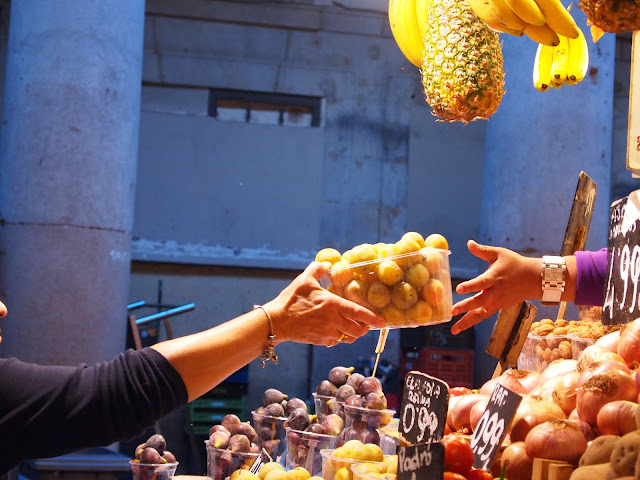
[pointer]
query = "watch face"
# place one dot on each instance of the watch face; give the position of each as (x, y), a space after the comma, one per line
(553, 276)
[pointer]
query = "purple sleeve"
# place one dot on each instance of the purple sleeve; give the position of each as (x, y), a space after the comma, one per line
(591, 273)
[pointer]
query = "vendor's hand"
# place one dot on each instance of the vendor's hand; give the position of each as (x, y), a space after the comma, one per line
(305, 312)
(511, 278)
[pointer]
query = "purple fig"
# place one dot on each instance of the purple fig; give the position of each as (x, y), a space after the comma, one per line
(354, 401)
(326, 389)
(339, 375)
(344, 392)
(298, 419)
(333, 424)
(239, 443)
(246, 429)
(273, 410)
(219, 439)
(169, 457)
(355, 379)
(369, 385)
(231, 422)
(374, 401)
(315, 428)
(294, 403)
(217, 428)
(272, 395)
(150, 455)
(368, 435)
(158, 442)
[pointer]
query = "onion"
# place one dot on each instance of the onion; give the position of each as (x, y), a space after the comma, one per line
(559, 367)
(597, 356)
(602, 389)
(609, 341)
(461, 412)
(565, 392)
(556, 440)
(546, 389)
(573, 415)
(527, 378)
(520, 466)
(629, 343)
(617, 418)
(588, 431)
(476, 412)
(452, 403)
(596, 368)
(506, 380)
(533, 411)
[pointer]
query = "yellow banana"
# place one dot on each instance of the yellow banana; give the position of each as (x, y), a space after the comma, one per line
(404, 27)
(422, 12)
(542, 67)
(559, 63)
(542, 34)
(503, 29)
(497, 13)
(527, 10)
(578, 61)
(558, 18)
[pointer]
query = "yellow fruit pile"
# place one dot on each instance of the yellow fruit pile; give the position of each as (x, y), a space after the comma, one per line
(337, 464)
(273, 471)
(407, 282)
(387, 470)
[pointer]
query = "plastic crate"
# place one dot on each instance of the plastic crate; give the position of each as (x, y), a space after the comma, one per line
(208, 411)
(93, 464)
(454, 366)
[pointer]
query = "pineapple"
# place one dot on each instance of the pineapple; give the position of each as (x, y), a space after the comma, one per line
(462, 65)
(613, 16)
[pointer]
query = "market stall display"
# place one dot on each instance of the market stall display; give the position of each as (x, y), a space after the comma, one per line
(153, 461)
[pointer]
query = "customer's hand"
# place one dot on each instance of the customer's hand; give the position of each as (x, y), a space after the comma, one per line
(511, 278)
(305, 312)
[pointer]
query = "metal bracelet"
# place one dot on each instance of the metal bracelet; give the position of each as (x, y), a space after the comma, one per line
(269, 353)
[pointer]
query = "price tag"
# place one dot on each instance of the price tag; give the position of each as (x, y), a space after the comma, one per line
(493, 425)
(421, 462)
(423, 410)
(621, 296)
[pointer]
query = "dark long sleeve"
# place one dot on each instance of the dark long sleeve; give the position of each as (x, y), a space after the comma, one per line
(591, 274)
(47, 411)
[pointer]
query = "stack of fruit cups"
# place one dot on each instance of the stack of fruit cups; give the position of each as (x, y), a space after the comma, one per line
(222, 463)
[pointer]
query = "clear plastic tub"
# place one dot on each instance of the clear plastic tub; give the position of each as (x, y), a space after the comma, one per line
(364, 424)
(408, 290)
(371, 471)
(222, 463)
(152, 471)
(303, 450)
(324, 405)
(272, 435)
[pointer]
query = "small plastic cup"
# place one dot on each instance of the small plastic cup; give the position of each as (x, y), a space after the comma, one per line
(303, 450)
(272, 435)
(363, 423)
(324, 405)
(152, 471)
(222, 463)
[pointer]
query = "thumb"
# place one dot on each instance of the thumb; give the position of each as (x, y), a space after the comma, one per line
(485, 252)
(318, 269)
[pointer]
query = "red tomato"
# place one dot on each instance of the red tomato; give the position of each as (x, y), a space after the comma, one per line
(458, 455)
(457, 391)
(453, 476)
(479, 474)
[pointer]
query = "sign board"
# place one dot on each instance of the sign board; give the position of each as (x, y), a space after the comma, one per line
(421, 462)
(423, 410)
(633, 139)
(493, 425)
(622, 289)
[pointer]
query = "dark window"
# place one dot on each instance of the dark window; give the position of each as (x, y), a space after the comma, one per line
(264, 108)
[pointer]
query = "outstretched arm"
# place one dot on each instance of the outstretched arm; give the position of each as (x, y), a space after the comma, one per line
(303, 312)
(510, 278)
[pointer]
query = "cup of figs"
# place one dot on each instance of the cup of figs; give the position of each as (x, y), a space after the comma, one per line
(272, 435)
(364, 423)
(303, 449)
(221, 463)
(152, 471)
(324, 405)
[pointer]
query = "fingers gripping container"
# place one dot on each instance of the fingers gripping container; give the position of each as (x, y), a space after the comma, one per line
(408, 290)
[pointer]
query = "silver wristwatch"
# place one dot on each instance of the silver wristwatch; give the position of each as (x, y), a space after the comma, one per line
(553, 270)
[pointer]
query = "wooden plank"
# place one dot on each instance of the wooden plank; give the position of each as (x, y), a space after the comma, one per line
(633, 139)
(543, 469)
(575, 237)
(559, 471)
(509, 334)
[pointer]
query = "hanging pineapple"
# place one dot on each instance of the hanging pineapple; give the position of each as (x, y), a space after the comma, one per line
(462, 63)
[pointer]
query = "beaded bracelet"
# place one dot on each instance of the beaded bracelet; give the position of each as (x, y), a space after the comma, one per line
(269, 352)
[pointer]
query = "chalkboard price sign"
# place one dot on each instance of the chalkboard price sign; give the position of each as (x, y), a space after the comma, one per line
(493, 424)
(621, 300)
(421, 462)
(423, 411)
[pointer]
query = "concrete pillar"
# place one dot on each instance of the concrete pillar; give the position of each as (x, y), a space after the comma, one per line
(536, 146)
(67, 163)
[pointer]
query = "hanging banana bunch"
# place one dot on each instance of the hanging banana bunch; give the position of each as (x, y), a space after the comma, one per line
(564, 64)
